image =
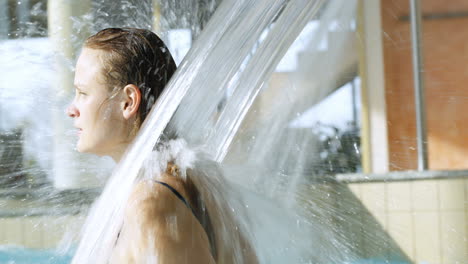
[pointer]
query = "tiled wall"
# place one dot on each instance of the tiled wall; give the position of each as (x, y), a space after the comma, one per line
(425, 220)
(41, 232)
(428, 219)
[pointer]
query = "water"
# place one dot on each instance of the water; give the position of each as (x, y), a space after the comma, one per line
(222, 103)
(18, 255)
(211, 76)
(226, 31)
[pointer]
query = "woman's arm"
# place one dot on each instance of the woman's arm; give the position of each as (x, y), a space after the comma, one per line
(160, 227)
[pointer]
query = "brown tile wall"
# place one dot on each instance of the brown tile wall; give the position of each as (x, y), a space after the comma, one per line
(446, 76)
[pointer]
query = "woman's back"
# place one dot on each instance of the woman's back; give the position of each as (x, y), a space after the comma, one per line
(158, 227)
(171, 220)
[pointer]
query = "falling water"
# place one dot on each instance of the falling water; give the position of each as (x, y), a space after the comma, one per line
(222, 103)
(227, 66)
(225, 32)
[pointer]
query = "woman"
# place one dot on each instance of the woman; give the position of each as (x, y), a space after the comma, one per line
(172, 217)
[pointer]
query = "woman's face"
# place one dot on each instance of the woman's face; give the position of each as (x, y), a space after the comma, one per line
(101, 128)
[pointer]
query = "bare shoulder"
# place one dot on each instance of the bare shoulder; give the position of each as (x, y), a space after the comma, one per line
(160, 224)
(153, 199)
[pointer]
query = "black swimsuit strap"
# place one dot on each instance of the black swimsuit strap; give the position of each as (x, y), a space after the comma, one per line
(176, 194)
(207, 220)
(174, 191)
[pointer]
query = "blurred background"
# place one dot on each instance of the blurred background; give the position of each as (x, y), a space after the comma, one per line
(363, 129)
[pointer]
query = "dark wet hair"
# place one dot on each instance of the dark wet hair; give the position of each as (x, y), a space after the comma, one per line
(134, 56)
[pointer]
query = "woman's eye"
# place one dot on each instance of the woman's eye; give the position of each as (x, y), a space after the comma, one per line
(79, 92)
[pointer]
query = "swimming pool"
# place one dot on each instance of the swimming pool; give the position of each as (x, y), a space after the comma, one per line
(21, 255)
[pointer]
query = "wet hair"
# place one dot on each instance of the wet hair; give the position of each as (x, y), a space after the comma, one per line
(134, 56)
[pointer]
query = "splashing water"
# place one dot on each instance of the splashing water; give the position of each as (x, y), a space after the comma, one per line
(228, 64)
(221, 103)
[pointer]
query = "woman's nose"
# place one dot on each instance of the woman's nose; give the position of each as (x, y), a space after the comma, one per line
(72, 111)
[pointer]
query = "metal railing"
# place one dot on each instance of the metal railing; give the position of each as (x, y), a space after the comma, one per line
(419, 95)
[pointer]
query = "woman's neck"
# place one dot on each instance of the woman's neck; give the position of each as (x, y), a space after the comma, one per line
(118, 152)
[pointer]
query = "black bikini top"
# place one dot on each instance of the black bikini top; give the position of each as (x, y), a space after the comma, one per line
(200, 214)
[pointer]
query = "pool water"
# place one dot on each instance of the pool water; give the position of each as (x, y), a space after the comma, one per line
(19, 255)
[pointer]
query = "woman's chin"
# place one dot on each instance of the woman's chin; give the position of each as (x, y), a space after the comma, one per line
(82, 148)
(91, 150)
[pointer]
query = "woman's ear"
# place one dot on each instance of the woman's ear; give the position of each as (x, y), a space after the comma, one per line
(131, 101)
